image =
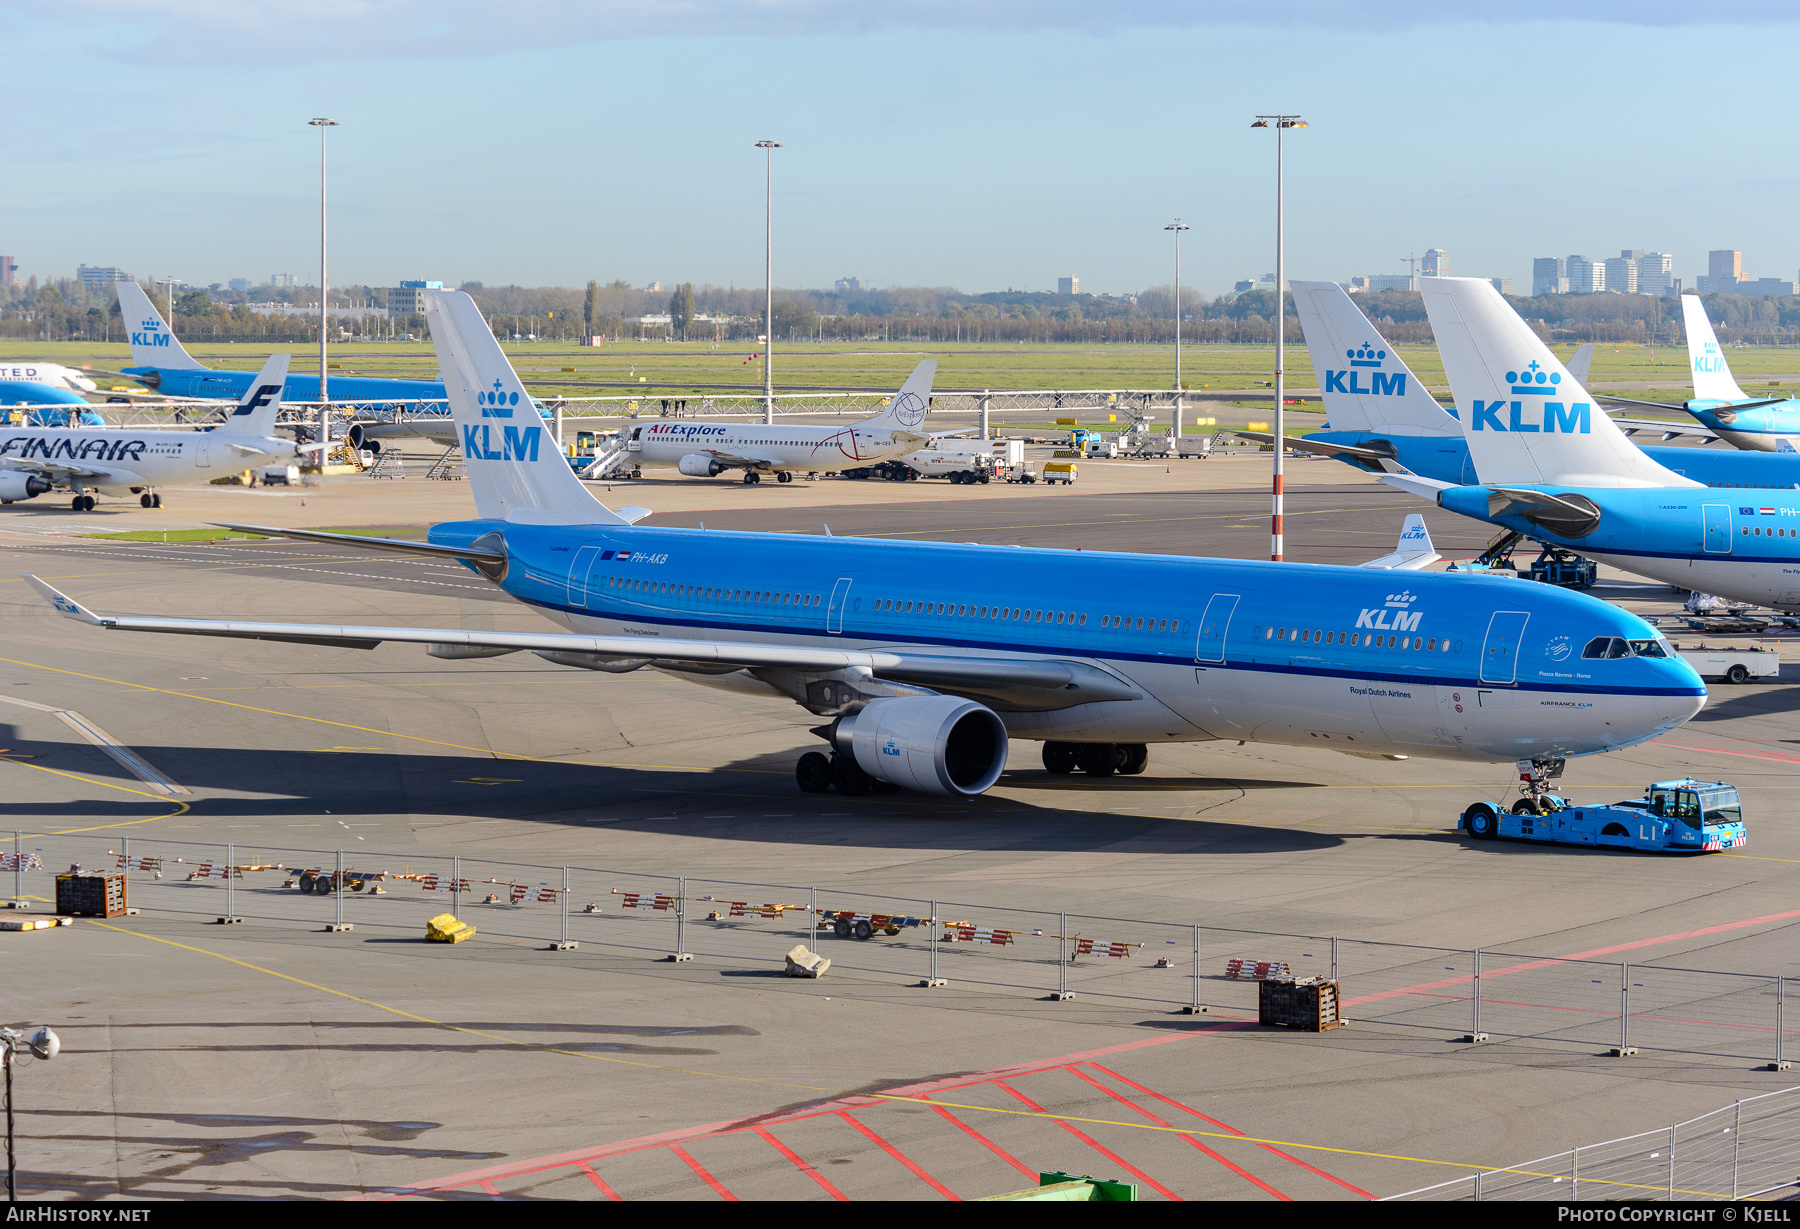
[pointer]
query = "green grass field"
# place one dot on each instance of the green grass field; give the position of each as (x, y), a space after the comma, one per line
(660, 369)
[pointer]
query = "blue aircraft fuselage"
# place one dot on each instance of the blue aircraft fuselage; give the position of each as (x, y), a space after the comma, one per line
(192, 382)
(1342, 657)
(1445, 458)
(1756, 423)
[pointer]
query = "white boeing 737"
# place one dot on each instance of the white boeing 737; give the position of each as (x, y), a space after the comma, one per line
(706, 450)
(131, 460)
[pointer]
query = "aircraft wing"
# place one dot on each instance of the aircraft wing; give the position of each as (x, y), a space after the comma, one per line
(1669, 430)
(62, 473)
(1042, 683)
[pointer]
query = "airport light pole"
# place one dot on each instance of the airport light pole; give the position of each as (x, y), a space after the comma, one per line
(1177, 227)
(1281, 123)
(768, 148)
(17, 1046)
(321, 123)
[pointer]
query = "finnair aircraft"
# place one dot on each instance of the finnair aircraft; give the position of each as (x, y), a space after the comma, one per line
(924, 659)
(130, 460)
(1381, 419)
(706, 450)
(1554, 467)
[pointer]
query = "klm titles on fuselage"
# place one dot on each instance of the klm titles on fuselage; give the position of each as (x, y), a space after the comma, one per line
(51, 448)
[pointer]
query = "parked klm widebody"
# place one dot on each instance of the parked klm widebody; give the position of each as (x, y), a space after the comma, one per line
(708, 449)
(1761, 424)
(118, 461)
(387, 408)
(924, 659)
(1552, 466)
(1380, 418)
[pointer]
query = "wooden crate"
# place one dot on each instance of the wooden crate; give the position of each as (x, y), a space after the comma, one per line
(91, 895)
(1306, 1003)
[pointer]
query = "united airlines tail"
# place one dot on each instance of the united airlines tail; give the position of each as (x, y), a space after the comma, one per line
(906, 412)
(153, 342)
(256, 409)
(515, 470)
(1525, 417)
(1365, 385)
(1712, 377)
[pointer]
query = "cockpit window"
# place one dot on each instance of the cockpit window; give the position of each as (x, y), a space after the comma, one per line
(1606, 647)
(1648, 648)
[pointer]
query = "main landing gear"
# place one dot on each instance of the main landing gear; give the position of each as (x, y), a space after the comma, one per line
(1096, 759)
(1482, 819)
(82, 503)
(147, 500)
(817, 773)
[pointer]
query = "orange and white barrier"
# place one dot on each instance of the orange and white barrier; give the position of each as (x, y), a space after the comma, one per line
(145, 863)
(443, 883)
(209, 870)
(661, 902)
(1256, 970)
(524, 894)
(21, 862)
(1096, 947)
(980, 934)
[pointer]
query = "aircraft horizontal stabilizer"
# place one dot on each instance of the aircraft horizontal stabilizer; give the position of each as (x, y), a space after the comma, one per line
(1326, 448)
(1412, 484)
(397, 545)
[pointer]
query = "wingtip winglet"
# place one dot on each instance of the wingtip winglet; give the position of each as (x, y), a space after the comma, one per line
(65, 605)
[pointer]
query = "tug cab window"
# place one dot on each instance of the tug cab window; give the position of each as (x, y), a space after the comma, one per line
(1679, 804)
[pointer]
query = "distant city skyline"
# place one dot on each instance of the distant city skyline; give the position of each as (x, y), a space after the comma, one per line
(602, 141)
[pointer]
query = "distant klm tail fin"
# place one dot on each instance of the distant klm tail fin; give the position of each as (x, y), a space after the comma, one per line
(1525, 417)
(906, 412)
(1581, 363)
(153, 342)
(1364, 383)
(514, 468)
(256, 409)
(1413, 551)
(1712, 376)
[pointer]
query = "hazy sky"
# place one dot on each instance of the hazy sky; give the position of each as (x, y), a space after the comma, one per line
(980, 145)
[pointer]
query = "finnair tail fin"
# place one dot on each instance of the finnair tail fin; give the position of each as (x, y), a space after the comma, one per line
(1581, 363)
(515, 471)
(1526, 418)
(153, 342)
(1412, 552)
(906, 412)
(1365, 385)
(1712, 377)
(256, 409)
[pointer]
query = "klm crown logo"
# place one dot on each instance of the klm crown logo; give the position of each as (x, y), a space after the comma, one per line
(1366, 356)
(1402, 600)
(1381, 383)
(1534, 381)
(493, 399)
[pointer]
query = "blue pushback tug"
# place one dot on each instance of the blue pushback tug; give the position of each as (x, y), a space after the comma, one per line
(1683, 816)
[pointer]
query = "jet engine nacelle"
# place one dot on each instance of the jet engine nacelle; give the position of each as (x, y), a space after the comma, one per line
(700, 465)
(17, 485)
(934, 744)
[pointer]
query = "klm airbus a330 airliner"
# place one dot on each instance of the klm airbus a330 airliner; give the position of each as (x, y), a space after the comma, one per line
(924, 659)
(1554, 467)
(1381, 419)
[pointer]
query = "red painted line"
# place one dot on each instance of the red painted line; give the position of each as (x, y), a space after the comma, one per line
(801, 1165)
(1588, 955)
(987, 1143)
(595, 1178)
(489, 1187)
(900, 1156)
(1239, 1170)
(1223, 1126)
(1095, 1144)
(697, 1167)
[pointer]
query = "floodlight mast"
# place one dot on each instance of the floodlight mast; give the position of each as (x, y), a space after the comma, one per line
(1177, 227)
(322, 123)
(16, 1044)
(768, 148)
(1281, 123)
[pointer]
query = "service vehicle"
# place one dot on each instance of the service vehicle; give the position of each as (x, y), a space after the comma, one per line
(1061, 471)
(279, 475)
(1023, 475)
(1731, 665)
(1684, 816)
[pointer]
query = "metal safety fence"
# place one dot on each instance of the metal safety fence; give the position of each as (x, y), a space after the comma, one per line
(1479, 996)
(1748, 1150)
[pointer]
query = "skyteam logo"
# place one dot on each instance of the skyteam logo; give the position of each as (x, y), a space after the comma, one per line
(1381, 383)
(1396, 615)
(150, 333)
(908, 409)
(1533, 381)
(493, 399)
(1559, 649)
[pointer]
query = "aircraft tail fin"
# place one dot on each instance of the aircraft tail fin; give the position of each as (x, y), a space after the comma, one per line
(153, 342)
(1712, 375)
(256, 409)
(1412, 552)
(1365, 384)
(906, 412)
(515, 470)
(1581, 363)
(1525, 417)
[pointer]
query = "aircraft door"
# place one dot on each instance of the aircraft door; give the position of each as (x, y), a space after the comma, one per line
(1718, 528)
(834, 613)
(584, 594)
(1500, 652)
(1214, 624)
(202, 453)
